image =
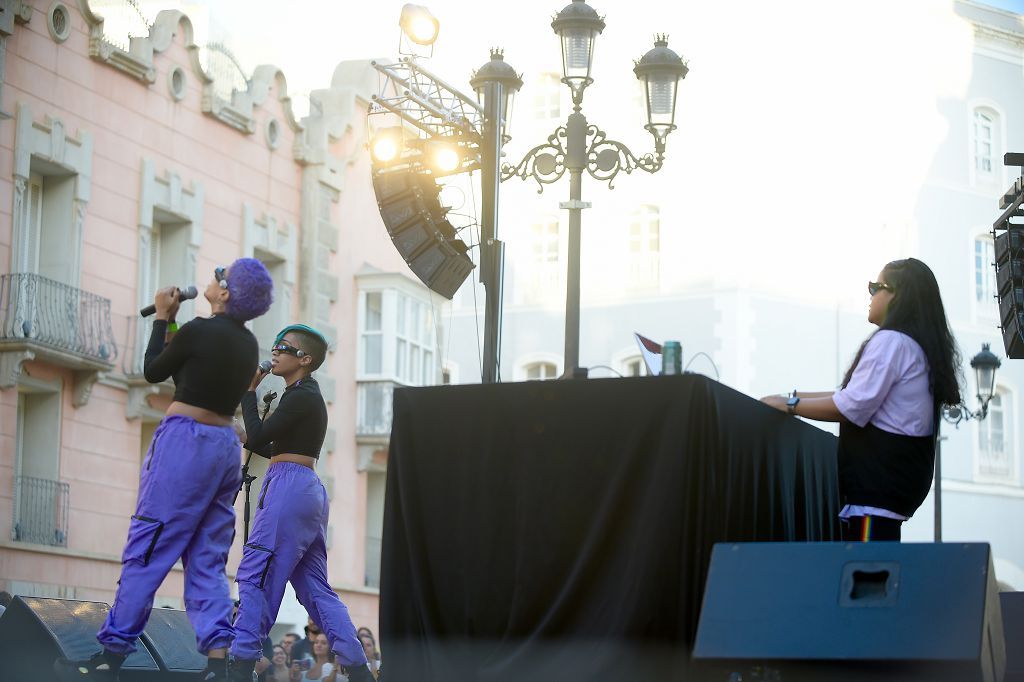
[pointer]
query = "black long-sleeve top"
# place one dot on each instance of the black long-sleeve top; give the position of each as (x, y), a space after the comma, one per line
(297, 426)
(212, 360)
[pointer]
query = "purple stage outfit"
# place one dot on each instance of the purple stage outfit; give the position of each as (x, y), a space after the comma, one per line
(288, 535)
(189, 480)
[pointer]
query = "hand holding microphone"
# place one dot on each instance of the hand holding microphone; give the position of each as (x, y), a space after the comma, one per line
(167, 301)
(261, 371)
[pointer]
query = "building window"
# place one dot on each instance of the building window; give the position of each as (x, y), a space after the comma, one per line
(375, 484)
(547, 100)
(40, 499)
(645, 247)
(49, 224)
(634, 367)
(984, 272)
(372, 336)
(984, 136)
(414, 357)
(266, 326)
(995, 451)
(545, 240)
(397, 341)
(540, 371)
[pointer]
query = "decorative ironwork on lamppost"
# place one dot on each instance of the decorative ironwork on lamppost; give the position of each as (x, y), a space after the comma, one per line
(580, 146)
(985, 365)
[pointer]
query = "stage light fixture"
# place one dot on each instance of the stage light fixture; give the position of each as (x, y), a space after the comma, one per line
(444, 156)
(419, 25)
(386, 144)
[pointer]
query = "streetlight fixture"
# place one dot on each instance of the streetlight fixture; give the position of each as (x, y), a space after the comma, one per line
(588, 148)
(985, 365)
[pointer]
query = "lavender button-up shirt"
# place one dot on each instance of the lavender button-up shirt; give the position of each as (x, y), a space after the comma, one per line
(889, 387)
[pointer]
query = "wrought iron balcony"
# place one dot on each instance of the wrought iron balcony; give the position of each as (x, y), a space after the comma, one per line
(38, 310)
(40, 511)
(44, 319)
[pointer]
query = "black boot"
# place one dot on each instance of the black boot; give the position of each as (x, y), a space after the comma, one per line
(103, 666)
(216, 670)
(240, 670)
(359, 673)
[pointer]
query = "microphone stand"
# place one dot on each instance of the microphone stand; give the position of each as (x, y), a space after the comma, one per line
(246, 478)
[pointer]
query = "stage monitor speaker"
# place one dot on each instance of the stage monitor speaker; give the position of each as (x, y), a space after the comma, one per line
(851, 611)
(35, 631)
(1012, 607)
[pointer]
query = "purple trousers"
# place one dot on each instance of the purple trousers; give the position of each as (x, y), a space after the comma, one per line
(185, 510)
(288, 544)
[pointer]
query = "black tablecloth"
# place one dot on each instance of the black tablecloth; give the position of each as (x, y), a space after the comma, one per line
(562, 530)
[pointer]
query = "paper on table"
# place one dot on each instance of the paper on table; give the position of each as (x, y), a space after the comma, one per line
(651, 353)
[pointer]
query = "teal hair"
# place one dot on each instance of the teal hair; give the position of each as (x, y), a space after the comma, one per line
(310, 337)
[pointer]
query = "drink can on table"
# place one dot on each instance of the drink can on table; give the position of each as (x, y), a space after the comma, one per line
(671, 358)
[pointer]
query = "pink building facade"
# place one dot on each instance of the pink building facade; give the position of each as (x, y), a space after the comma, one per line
(126, 165)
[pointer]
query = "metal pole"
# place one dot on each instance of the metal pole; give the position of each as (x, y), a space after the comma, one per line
(938, 484)
(576, 162)
(492, 251)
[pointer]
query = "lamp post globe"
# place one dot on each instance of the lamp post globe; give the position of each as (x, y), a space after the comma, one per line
(985, 365)
(660, 69)
(497, 71)
(577, 26)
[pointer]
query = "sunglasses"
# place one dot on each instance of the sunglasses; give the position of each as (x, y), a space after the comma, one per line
(875, 287)
(290, 350)
(220, 273)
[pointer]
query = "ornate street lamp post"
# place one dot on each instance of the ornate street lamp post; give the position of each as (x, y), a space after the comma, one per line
(579, 145)
(985, 365)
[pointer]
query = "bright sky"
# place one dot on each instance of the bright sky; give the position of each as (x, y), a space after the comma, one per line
(791, 105)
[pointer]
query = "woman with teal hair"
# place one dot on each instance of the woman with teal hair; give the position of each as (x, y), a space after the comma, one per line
(288, 541)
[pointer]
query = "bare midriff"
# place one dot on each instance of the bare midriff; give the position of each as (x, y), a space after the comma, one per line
(304, 460)
(200, 414)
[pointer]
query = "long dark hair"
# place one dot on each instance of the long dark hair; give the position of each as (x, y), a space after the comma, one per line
(916, 310)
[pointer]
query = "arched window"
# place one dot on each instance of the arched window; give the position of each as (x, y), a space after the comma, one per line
(995, 460)
(541, 371)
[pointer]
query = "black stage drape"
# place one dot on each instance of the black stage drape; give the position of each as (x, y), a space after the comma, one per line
(562, 530)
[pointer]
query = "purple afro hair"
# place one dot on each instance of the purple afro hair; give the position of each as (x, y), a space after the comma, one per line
(251, 288)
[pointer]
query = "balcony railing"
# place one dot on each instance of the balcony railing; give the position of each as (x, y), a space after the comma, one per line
(373, 562)
(374, 408)
(38, 310)
(40, 511)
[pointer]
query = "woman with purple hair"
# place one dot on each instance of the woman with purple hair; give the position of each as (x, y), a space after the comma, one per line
(191, 473)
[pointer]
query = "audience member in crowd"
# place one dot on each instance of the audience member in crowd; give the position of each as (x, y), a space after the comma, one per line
(370, 649)
(288, 642)
(278, 670)
(304, 648)
(321, 668)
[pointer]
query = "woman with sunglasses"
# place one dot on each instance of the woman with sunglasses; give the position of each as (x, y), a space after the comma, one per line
(191, 473)
(288, 541)
(888, 404)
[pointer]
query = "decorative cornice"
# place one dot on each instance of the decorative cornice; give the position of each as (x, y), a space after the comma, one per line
(139, 63)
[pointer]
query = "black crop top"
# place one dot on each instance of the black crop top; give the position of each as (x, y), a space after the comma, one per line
(297, 426)
(212, 360)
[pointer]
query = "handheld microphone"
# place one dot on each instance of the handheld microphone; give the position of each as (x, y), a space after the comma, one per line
(186, 294)
(265, 367)
(269, 397)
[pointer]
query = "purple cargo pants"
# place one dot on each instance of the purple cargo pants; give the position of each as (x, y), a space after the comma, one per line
(185, 510)
(288, 544)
